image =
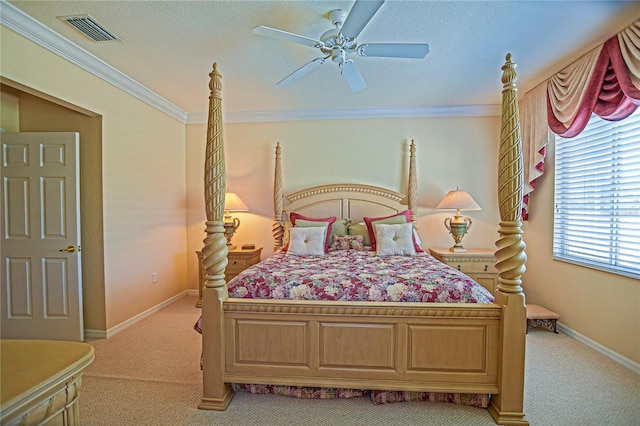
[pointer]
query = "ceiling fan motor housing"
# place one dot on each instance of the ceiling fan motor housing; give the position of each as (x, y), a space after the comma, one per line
(330, 37)
(336, 45)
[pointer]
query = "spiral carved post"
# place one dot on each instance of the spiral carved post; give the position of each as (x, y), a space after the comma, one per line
(216, 394)
(507, 406)
(277, 229)
(215, 245)
(413, 183)
(511, 255)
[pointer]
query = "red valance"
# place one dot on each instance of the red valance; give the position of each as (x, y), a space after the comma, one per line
(605, 81)
(608, 91)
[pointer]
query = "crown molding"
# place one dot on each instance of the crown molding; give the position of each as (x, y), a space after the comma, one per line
(354, 113)
(28, 27)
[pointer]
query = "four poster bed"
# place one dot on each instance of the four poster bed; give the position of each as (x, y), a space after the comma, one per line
(471, 343)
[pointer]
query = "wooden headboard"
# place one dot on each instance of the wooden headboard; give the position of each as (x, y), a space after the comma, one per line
(345, 200)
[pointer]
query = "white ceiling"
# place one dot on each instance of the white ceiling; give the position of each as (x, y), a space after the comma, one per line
(170, 46)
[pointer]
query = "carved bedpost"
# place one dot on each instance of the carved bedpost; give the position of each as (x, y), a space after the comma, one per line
(277, 229)
(413, 183)
(507, 406)
(216, 394)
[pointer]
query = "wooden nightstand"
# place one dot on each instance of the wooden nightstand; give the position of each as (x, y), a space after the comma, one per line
(479, 264)
(238, 260)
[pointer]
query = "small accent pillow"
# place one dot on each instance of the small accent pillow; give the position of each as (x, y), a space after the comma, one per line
(360, 229)
(395, 240)
(401, 217)
(306, 241)
(297, 217)
(355, 242)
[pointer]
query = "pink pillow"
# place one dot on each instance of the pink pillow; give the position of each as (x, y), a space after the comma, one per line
(394, 218)
(293, 216)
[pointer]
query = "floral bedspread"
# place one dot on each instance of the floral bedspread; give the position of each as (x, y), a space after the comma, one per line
(353, 275)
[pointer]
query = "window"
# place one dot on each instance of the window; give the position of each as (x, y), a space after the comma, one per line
(597, 196)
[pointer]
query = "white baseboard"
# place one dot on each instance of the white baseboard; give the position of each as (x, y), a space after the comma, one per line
(90, 334)
(625, 362)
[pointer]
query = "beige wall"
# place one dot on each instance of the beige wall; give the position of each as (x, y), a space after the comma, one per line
(143, 192)
(450, 152)
(9, 109)
(602, 306)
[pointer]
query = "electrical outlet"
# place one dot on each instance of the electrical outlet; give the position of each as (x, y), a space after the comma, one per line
(154, 277)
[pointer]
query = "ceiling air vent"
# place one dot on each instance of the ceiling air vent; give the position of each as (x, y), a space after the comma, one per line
(90, 28)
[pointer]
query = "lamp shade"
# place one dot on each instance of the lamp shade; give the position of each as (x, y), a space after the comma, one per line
(233, 203)
(458, 200)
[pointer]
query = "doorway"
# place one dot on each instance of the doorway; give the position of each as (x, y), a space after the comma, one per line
(34, 111)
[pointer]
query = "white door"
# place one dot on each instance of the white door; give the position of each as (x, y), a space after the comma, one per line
(41, 295)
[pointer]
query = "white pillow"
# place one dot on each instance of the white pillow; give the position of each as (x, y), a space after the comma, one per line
(307, 241)
(395, 240)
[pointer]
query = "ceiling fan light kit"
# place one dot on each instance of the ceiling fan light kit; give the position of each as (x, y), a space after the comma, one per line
(340, 42)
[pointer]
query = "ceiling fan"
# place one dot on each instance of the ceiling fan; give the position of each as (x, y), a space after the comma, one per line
(340, 42)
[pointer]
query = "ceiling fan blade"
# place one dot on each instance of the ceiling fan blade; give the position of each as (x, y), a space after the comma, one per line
(394, 50)
(283, 35)
(359, 16)
(352, 75)
(301, 72)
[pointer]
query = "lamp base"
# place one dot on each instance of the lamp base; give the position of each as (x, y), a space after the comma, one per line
(455, 249)
(231, 225)
(457, 227)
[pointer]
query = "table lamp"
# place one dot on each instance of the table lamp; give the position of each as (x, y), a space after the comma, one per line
(458, 226)
(232, 203)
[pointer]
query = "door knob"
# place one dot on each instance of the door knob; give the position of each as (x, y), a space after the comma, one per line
(69, 249)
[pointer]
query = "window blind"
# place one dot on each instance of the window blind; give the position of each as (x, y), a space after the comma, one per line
(597, 196)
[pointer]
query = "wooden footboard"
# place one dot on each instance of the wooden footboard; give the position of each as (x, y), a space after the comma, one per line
(368, 345)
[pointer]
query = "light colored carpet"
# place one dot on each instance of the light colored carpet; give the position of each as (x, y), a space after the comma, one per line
(149, 374)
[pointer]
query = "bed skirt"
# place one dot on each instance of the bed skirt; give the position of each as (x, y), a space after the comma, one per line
(377, 396)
